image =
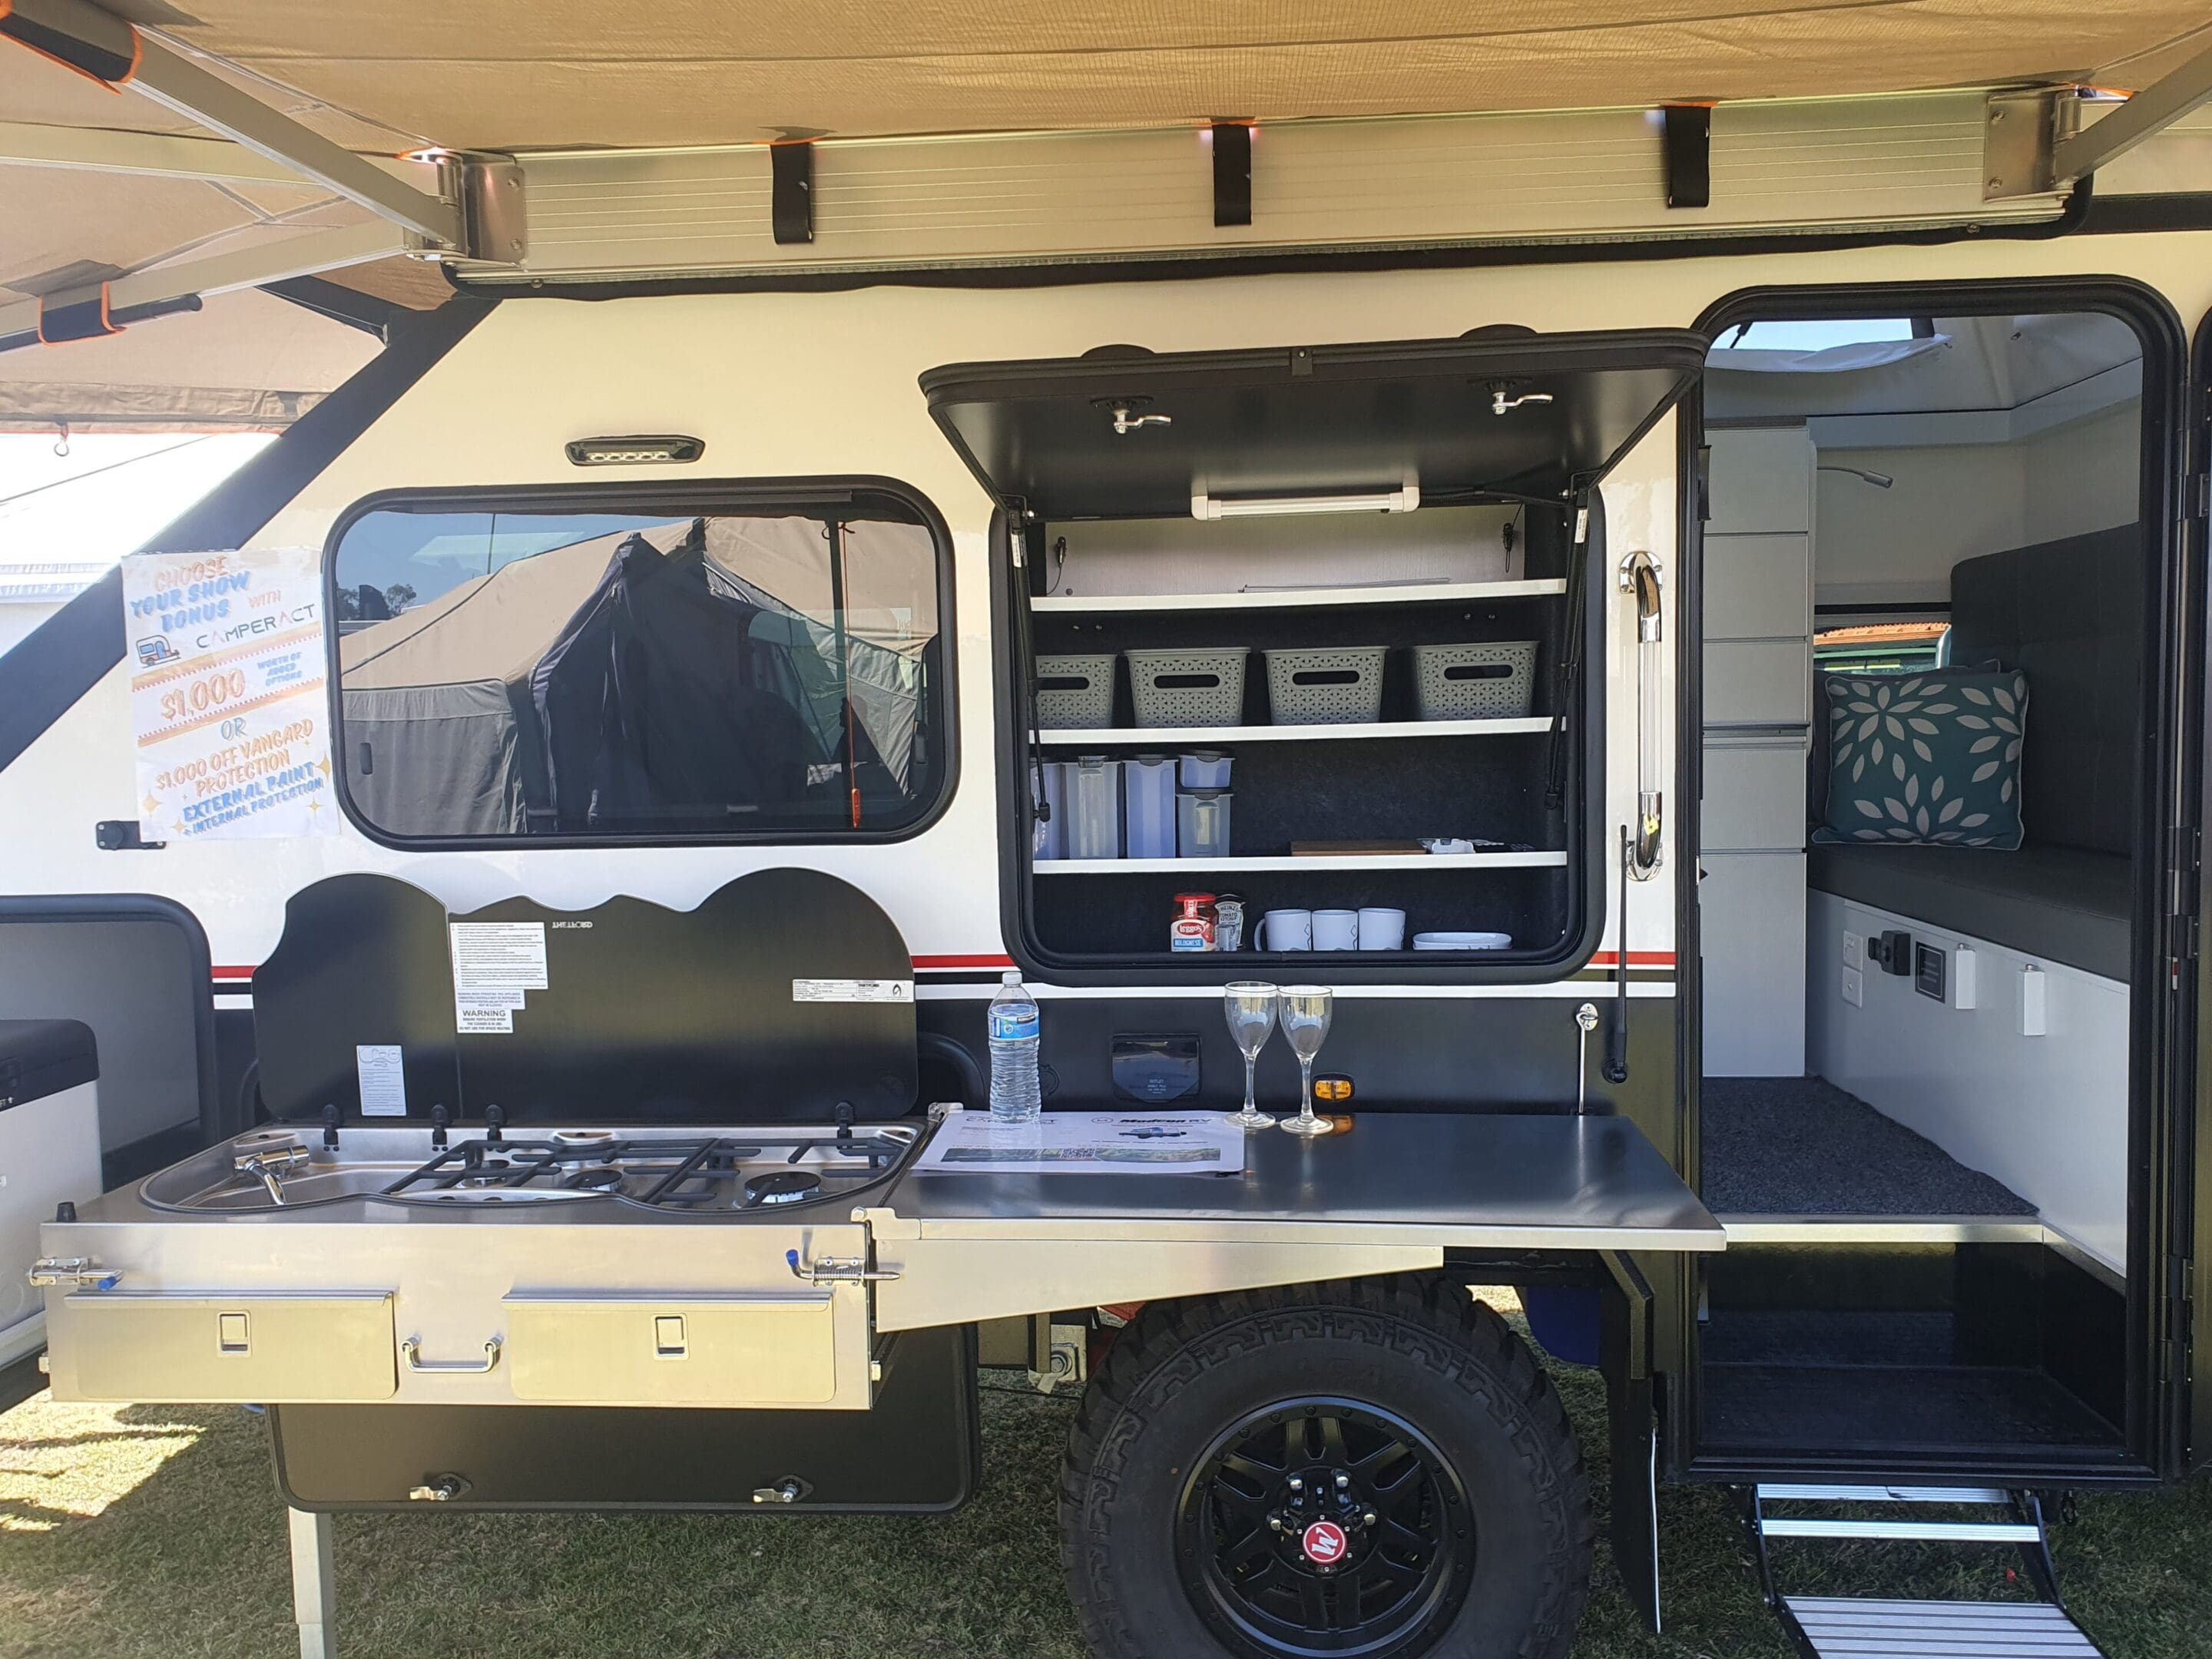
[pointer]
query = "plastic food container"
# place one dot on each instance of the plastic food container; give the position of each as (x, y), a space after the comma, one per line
(1148, 806)
(1050, 841)
(1093, 785)
(1492, 680)
(1203, 770)
(1188, 687)
(1337, 684)
(1202, 823)
(1462, 941)
(1074, 692)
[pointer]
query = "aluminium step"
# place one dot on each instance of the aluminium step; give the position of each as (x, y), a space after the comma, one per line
(1862, 1628)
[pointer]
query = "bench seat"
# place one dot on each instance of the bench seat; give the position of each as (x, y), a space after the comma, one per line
(2062, 903)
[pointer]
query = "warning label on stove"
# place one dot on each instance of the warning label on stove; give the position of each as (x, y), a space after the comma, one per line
(494, 963)
(852, 990)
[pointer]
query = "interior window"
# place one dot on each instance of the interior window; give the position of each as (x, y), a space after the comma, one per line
(532, 673)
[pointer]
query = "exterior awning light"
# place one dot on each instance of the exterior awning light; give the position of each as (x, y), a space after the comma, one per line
(634, 452)
(1402, 500)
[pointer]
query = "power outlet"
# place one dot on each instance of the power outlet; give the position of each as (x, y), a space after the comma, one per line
(1854, 950)
(1854, 987)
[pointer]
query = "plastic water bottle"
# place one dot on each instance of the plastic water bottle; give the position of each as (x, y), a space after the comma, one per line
(1013, 1023)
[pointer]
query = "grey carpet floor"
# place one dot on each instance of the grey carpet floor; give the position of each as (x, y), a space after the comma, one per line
(1800, 1145)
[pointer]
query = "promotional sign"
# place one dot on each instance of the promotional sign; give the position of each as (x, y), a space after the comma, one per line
(226, 698)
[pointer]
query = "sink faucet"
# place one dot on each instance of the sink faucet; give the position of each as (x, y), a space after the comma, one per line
(270, 1166)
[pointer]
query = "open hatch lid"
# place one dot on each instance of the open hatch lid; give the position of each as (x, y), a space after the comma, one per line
(1122, 431)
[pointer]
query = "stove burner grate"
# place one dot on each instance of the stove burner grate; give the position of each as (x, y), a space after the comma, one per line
(676, 1173)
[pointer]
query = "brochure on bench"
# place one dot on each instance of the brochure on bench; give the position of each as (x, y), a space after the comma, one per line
(1077, 1143)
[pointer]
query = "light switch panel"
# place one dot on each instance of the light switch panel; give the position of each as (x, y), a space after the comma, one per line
(2034, 1006)
(1853, 987)
(1854, 950)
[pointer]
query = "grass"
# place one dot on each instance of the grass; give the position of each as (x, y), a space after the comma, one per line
(155, 1533)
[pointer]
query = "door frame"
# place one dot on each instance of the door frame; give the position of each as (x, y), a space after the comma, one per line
(2167, 1168)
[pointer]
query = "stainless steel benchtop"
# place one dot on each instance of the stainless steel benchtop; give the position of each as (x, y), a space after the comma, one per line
(1510, 1181)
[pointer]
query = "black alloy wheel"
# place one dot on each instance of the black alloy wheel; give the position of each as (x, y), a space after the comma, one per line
(1322, 1527)
(1369, 1469)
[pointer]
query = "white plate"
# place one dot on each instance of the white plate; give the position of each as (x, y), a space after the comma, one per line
(1462, 941)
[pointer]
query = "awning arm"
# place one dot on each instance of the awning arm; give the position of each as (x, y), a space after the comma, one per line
(2031, 145)
(295, 255)
(2157, 107)
(472, 215)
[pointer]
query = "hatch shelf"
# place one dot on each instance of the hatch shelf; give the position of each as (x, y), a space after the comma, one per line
(1314, 862)
(1302, 598)
(1155, 737)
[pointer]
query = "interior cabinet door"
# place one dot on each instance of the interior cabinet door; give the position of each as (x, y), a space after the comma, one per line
(1751, 917)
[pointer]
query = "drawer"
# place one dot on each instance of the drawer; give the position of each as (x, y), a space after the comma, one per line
(1762, 481)
(260, 1349)
(1754, 797)
(673, 1350)
(1757, 683)
(1757, 586)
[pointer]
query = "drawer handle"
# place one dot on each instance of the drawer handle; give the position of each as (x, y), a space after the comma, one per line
(412, 1350)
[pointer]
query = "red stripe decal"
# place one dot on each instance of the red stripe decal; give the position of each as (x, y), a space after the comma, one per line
(1636, 958)
(941, 962)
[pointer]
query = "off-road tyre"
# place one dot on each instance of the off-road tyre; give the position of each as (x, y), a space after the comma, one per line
(1417, 1350)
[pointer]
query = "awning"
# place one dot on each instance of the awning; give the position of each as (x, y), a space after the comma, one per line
(98, 183)
(539, 74)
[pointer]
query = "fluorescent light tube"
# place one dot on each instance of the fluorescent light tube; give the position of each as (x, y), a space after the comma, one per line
(1403, 500)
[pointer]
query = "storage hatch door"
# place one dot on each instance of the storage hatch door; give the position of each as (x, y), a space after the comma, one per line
(1124, 432)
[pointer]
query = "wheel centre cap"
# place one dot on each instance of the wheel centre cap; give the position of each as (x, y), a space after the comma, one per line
(1324, 1543)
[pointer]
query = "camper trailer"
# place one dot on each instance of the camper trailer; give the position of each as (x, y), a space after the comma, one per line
(1737, 627)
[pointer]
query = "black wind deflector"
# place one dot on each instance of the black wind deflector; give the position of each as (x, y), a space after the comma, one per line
(1123, 433)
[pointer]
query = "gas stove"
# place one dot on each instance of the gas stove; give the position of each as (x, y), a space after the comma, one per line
(722, 1171)
(428, 1264)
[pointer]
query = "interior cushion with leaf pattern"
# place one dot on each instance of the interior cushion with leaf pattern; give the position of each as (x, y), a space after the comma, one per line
(1927, 759)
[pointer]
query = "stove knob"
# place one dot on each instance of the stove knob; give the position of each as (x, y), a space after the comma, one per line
(440, 1120)
(494, 1122)
(65, 1211)
(332, 1118)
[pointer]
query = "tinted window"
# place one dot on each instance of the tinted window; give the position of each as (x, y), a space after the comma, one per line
(535, 673)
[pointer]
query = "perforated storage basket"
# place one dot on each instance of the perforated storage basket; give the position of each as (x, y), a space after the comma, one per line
(1192, 686)
(1075, 692)
(1325, 687)
(1490, 681)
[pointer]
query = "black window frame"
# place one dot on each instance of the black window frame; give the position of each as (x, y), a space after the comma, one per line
(666, 498)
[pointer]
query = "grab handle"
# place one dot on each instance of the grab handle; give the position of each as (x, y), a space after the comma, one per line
(411, 1351)
(1640, 577)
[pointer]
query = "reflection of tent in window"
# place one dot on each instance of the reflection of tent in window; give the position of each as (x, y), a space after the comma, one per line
(677, 692)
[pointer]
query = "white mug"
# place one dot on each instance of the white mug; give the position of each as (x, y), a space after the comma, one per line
(1336, 930)
(1285, 930)
(1381, 930)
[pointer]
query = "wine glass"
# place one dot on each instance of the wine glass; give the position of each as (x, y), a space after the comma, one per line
(1250, 1006)
(1305, 1016)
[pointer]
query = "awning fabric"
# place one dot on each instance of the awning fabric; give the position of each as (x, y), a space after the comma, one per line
(245, 362)
(561, 73)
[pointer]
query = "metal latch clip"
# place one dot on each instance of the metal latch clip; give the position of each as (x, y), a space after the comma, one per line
(831, 1269)
(77, 1271)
